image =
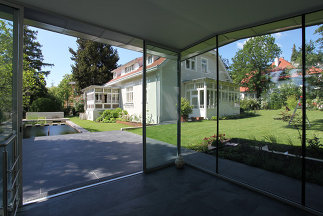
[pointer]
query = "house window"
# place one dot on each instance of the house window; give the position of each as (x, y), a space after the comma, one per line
(129, 68)
(204, 65)
(150, 60)
(129, 94)
(190, 63)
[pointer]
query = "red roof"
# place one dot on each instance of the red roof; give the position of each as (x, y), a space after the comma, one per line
(282, 64)
(155, 63)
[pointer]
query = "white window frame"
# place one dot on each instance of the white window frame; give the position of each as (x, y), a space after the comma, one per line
(190, 64)
(150, 60)
(129, 94)
(206, 65)
(129, 68)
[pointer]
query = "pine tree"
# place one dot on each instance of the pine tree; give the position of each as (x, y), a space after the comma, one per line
(294, 55)
(33, 52)
(93, 63)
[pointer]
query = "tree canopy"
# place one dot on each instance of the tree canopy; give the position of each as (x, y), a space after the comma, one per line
(93, 63)
(250, 63)
(33, 53)
(313, 51)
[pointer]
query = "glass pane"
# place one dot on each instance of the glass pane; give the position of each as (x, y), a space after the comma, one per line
(314, 116)
(198, 130)
(260, 144)
(7, 108)
(161, 111)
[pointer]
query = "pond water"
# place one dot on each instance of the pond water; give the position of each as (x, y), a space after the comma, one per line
(48, 130)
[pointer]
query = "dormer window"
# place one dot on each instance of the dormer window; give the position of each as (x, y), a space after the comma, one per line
(190, 64)
(129, 68)
(150, 59)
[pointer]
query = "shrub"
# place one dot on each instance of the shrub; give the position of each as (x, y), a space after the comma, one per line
(314, 143)
(186, 108)
(45, 105)
(291, 102)
(214, 118)
(110, 116)
(249, 104)
(79, 105)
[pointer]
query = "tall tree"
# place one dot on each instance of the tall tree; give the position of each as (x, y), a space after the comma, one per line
(93, 63)
(319, 30)
(33, 52)
(313, 55)
(293, 57)
(64, 90)
(34, 85)
(250, 63)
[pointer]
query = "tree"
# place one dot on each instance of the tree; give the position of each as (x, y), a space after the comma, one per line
(313, 56)
(250, 63)
(34, 84)
(6, 57)
(64, 89)
(293, 57)
(93, 63)
(33, 52)
(319, 30)
(225, 62)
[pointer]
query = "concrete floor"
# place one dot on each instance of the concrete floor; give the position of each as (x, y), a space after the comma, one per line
(165, 192)
(56, 163)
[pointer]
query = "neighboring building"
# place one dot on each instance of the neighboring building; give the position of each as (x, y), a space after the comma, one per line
(282, 72)
(198, 86)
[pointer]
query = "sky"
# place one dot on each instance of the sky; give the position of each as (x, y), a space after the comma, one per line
(55, 50)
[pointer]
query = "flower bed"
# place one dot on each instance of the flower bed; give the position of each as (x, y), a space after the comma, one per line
(134, 124)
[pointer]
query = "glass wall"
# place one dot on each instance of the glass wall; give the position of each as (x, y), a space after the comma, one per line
(6, 84)
(161, 107)
(314, 114)
(199, 108)
(262, 143)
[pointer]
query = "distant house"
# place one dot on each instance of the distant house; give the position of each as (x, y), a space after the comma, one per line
(282, 72)
(198, 86)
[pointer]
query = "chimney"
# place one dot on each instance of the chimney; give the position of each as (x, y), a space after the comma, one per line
(276, 61)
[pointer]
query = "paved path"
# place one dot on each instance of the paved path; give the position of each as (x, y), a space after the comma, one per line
(55, 163)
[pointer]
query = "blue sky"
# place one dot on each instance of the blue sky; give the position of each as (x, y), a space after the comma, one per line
(55, 50)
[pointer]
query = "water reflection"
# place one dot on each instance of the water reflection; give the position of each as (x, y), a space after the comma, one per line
(48, 130)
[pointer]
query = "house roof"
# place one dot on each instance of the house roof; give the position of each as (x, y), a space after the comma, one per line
(282, 64)
(136, 72)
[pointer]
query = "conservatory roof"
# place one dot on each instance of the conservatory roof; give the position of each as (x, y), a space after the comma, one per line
(187, 27)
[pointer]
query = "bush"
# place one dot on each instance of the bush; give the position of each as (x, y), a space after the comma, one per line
(214, 118)
(79, 106)
(110, 116)
(291, 102)
(186, 108)
(45, 105)
(249, 104)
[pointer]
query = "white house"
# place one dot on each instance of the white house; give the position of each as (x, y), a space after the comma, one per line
(198, 86)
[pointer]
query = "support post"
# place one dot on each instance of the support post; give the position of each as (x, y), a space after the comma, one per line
(144, 99)
(303, 111)
(217, 105)
(178, 104)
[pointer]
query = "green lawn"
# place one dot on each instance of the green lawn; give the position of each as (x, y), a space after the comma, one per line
(96, 126)
(255, 128)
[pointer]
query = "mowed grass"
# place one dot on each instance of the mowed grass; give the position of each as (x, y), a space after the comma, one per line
(255, 128)
(96, 126)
